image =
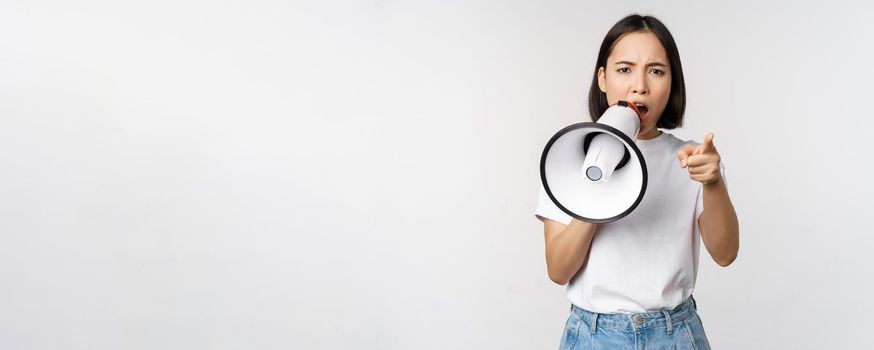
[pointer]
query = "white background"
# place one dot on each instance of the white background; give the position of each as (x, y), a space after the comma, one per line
(325, 175)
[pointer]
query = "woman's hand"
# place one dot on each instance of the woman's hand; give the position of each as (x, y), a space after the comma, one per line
(702, 161)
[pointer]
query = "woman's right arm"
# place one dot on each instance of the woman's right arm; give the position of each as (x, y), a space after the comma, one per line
(567, 247)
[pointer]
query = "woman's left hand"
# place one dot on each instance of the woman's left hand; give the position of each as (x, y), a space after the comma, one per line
(702, 161)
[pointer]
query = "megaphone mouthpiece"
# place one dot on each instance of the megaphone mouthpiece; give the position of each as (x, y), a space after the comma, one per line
(640, 111)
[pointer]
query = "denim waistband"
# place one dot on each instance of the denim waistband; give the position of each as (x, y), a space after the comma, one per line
(638, 321)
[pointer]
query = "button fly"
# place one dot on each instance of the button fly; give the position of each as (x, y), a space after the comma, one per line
(638, 320)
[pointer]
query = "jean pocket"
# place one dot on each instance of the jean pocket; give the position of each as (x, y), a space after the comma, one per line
(696, 333)
(571, 332)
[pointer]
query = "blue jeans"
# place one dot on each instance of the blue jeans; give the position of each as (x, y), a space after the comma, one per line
(679, 328)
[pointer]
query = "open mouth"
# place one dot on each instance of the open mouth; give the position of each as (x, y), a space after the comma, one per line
(641, 110)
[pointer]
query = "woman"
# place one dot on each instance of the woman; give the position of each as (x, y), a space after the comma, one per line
(630, 282)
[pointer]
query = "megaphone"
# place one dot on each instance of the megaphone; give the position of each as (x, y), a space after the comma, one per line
(594, 171)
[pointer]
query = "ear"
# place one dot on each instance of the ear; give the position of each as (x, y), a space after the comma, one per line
(602, 83)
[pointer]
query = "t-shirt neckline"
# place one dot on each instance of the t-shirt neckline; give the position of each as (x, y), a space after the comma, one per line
(655, 140)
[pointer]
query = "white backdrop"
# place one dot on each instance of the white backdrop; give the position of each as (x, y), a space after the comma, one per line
(324, 175)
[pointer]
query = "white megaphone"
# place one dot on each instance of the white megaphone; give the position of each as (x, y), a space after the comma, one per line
(594, 171)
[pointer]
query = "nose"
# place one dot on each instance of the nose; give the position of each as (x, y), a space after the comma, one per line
(639, 85)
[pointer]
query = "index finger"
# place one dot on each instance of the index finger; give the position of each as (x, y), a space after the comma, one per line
(707, 145)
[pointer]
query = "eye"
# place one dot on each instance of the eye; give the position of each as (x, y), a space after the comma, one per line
(623, 70)
(657, 71)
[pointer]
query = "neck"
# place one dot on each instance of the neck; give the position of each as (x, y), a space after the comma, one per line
(649, 135)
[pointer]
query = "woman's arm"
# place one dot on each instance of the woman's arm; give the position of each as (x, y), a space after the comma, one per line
(567, 247)
(718, 221)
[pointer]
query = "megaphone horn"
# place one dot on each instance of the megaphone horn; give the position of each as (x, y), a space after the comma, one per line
(594, 171)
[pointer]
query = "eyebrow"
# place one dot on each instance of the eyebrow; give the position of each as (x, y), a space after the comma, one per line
(651, 64)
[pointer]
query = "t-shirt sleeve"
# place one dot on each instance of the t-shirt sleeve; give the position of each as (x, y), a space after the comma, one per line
(546, 209)
(700, 200)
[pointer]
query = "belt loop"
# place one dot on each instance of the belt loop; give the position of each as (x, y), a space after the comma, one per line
(668, 321)
(594, 322)
(694, 304)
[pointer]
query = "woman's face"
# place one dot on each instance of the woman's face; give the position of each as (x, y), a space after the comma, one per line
(638, 72)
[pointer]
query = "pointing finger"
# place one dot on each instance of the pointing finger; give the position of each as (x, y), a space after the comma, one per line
(707, 145)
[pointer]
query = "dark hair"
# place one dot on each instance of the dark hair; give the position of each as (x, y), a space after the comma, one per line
(672, 117)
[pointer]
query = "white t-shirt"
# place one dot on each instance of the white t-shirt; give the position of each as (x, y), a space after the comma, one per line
(647, 260)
